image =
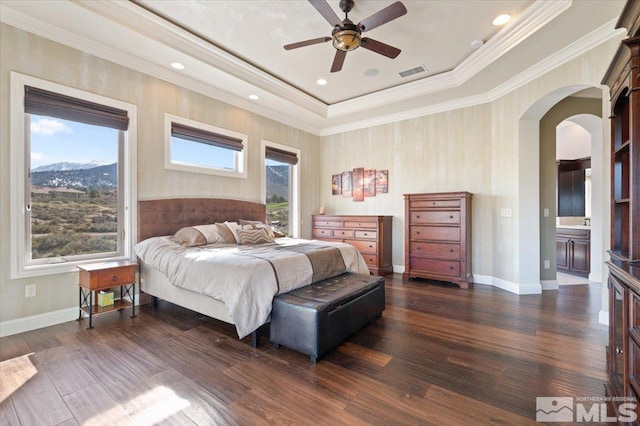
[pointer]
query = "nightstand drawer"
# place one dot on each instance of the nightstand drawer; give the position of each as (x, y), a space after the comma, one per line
(363, 246)
(117, 276)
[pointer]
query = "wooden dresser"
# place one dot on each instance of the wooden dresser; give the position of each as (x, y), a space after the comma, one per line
(623, 352)
(438, 237)
(371, 235)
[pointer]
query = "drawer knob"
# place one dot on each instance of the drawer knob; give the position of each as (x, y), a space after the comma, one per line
(450, 217)
(115, 278)
(370, 246)
(434, 203)
(418, 232)
(418, 248)
(450, 250)
(451, 268)
(366, 234)
(418, 216)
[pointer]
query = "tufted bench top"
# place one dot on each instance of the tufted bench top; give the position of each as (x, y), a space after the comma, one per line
(335, 290)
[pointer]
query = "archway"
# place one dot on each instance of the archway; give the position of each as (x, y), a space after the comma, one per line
(530, 262)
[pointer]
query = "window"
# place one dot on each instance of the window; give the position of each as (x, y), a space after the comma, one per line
(201, 148)
(72, 177)
(281, 187)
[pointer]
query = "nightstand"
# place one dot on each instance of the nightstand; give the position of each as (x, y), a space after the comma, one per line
(105, 275)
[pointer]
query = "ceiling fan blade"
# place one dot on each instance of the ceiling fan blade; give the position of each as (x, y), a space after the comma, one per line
(307, 43)
(338, 60)
(379, 47)
(325, 10)
(383, 16)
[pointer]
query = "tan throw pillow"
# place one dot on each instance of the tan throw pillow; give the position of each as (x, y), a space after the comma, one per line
(253, 236)
(189, 237)
(233, 227)
(226, 234)
(256, 224)
(212, 234)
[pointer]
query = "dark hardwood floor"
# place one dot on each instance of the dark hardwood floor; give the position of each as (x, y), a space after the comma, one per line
(439, 355)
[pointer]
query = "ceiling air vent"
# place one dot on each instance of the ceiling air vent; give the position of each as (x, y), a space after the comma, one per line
(416, 70)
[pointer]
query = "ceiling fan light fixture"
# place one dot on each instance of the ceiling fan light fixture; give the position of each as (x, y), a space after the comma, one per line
(346, 39)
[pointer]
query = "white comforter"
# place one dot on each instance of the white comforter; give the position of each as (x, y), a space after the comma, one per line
(244, 278)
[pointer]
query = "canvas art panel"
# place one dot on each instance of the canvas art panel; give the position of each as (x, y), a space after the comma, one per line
(346, 184)
(382, 181)
(369, 182)
(357, 182)
(336, 184)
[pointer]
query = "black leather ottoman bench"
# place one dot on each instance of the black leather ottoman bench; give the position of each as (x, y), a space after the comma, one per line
(315, 318)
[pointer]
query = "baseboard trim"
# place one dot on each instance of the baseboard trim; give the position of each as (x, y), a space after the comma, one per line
(20, 325)
(507, 285)
(34, 322)
(549, 285)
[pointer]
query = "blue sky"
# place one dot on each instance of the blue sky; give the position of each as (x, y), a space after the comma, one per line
(54, 140)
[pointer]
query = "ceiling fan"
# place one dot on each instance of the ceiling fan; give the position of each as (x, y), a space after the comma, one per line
(347, 36)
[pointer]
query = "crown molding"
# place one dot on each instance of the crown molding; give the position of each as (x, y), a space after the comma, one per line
(591, 40)
(141, 20)
(531, 20)
(35, 26)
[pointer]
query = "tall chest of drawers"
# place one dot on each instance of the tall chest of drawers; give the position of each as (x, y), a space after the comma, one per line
(438, 237)
(371, 235)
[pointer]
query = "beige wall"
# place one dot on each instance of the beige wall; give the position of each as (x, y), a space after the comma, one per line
(487, 150)
(153, 97)
(490, 150)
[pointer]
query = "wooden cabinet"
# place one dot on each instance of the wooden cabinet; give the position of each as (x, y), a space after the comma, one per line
(438, 237)
(573, 251)
(371, 235)
(102, 276)
(623, 79)
(571, 186)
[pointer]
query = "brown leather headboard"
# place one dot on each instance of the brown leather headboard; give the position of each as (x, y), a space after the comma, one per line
(165, 217)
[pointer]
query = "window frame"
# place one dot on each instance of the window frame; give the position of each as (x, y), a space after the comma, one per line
(294, 204)
(21, 263)
(241, 157)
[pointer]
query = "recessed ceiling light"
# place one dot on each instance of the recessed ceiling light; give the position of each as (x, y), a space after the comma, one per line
(477, 43)
(372, 72)
(177, 65)
(501, 20)
(321, 82)
(254, 97)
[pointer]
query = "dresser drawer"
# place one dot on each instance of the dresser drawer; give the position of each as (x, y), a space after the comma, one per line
(370, 259)
(436, 216)
(418, 204)
(439, 250)
(363, 246)
(117, 276)
(435, 266)
(343, 233)
(323, 233)
(371, 235)
(440, 233)
(360, 224)
(328, 223)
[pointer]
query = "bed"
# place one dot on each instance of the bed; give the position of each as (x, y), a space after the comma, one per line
(158, 219)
